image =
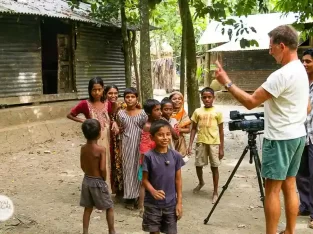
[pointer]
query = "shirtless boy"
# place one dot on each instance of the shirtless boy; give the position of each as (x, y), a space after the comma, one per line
(94, 191)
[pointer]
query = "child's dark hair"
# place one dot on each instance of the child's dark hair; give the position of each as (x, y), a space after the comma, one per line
(130, 90)
(108, 87)
(207, 89)
(149, 105)
(91, 129)
(93, 81)
(308, 52)
(165, 101)
(156, 125)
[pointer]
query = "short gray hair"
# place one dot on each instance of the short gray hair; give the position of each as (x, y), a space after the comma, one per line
(285, 34)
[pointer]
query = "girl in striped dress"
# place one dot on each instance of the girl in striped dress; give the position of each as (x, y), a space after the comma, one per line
(131, 122)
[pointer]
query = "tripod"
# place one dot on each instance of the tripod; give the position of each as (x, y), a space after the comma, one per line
(257, 162)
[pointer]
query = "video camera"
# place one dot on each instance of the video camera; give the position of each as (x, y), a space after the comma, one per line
(240, 123)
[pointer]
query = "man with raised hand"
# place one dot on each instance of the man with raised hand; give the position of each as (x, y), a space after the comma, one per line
(285, 95)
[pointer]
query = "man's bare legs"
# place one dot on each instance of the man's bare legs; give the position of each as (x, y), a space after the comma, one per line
(272, 205)
(110, 220)
(200, 178)
(86, 219)
(215, 174)
(291, 204)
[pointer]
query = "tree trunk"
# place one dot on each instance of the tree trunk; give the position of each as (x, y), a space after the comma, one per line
(183, 48)
(129, 36)
(133, 47)
(207, 67)
(145, 59)
(125, 45)
(193, 98)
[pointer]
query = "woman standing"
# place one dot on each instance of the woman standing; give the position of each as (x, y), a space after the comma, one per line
(183, 120)
(111, 93)
(96, 108)
(131, 121)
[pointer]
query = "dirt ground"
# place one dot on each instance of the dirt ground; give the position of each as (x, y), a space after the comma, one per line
(45, 189)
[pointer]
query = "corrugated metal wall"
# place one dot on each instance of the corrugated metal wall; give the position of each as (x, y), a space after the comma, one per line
(248, 69)
(98, 53)
(20, 56)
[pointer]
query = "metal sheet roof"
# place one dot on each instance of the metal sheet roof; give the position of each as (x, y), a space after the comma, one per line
(51, 8)
(235, 46)
(263, 23)
(213, 34)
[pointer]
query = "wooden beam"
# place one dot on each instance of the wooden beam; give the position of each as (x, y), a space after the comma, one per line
(8, 101)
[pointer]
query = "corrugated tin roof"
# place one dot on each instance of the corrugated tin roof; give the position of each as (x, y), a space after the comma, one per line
(213, 34)
(235, 46)
(263, 23)
(51, 8)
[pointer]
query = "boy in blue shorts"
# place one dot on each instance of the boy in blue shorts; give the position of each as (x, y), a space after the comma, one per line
(163, 183)
(207, 122)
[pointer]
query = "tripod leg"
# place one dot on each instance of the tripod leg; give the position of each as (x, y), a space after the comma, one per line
(260, 165)
(227, 183)
(257, 163)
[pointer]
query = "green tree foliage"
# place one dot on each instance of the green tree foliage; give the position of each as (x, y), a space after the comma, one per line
(166, 17)
(219, 9)
(305, 10)
(106, 10)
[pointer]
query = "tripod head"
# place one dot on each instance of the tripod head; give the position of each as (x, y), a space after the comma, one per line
(252, 136)
(252, 143)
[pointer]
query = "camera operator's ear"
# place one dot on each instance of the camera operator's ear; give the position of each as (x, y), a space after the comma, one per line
(282, 46)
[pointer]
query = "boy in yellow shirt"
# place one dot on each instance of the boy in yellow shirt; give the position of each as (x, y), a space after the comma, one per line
(207, 123)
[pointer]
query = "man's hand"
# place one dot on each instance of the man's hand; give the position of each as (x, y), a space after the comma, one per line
(158, 195)
(220, 74)
(221, 153)
(179, 211)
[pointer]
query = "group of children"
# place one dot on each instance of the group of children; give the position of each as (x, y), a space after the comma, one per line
(157, 176)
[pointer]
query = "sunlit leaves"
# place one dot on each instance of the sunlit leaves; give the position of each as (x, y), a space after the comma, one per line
(108, 10)
(305, 10)
(245, 7)
(217, 10)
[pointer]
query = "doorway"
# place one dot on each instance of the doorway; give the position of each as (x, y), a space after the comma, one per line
(56, 56)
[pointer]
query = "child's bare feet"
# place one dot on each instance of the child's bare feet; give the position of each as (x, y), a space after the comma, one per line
(214, 198)
(199, 186)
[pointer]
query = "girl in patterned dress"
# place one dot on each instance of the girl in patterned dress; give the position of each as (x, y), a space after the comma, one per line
(111, 93)
(96, 108)
(183, 120)
(131, 122)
